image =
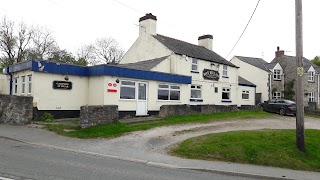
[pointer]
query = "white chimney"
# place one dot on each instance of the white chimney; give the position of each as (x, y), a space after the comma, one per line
(205, 41)
(148, 25)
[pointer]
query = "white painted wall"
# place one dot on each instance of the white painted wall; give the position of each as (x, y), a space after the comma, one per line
(251, 100)
(96, 88)
(3, 84)
(255, 75)
(47, 98)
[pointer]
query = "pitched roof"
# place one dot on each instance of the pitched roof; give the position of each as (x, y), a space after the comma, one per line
(191, 50)
(271, 65)
(257, 62)
(307, 63)
(146, 65)
(244, 82)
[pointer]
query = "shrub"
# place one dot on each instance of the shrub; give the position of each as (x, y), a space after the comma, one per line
(46, 117)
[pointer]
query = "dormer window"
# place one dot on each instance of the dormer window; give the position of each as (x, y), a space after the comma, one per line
(311, 76)
(277, 74)
(194, 65)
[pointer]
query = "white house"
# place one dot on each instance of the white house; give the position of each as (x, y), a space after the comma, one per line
(214, 79)
(3, 84)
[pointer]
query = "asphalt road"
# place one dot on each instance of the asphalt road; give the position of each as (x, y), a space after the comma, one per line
(24, 161)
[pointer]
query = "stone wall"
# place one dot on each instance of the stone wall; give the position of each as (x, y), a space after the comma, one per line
(97, 115)
(16, 109)
(186, 110)
(250, 108)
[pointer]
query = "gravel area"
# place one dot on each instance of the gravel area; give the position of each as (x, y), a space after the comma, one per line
(159, 139)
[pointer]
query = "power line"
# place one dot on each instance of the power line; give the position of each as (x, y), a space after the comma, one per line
(128, 6)
(244, 29)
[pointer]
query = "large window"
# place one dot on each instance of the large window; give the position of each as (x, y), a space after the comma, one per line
(226, 93)
(225, 71)
(29, 84)
(15, 81)
(245, 95)
(194, 66)
(195, 91)
(128, 90)
(277, 74)
(277, 95)
(311, 76)
(168, 92)
(311, 96)
(23, 83)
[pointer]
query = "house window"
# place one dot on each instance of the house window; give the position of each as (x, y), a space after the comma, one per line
(168, 92)
(277, 95)
(216, 89)
(29, 84)
(311, 76)
(128, 90)
(23, 83)
(225, 93)
(194, 66)
(225, 71)
(245, 95)
(277, 74)
(195, 91)
(15, 85)
(311, 97)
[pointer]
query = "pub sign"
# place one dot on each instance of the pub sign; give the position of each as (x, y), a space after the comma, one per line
(210, 74)
(64, 85)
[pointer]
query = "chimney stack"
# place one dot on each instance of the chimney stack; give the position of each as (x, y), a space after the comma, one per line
(205, 41)
(148, 25)
(279, 53)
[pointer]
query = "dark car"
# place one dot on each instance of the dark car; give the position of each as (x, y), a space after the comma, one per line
(281, 106)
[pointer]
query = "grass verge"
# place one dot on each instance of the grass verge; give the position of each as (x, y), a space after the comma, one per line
(265, 147)
(313, 115)
(118, 129)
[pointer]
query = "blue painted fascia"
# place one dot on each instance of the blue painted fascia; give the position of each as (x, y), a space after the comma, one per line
(20, 67)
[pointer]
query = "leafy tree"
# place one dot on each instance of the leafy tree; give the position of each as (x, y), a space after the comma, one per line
(316, 61)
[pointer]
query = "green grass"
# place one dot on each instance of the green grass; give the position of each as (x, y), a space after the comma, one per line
(118, 129)
(313, 115)
(266, 147)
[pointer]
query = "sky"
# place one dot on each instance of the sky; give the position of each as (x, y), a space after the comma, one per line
(78, 22)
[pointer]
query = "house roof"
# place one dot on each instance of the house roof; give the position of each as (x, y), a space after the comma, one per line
(307, 63)
(146, 65)
(244, 82)
(257, 62)
(271, 65)
(191, 50)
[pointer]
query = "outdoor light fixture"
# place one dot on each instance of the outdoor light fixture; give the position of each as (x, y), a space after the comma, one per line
(66, 78)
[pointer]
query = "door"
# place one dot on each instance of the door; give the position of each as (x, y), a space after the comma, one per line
(142, 99)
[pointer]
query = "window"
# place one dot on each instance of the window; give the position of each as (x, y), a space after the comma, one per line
(277, 95)
(29, 84)
(216, 89)
(23, 88)
(225, 93)
(15, 85)
(277, 74)
(194, 66)
(311, 97)
(311, 76)
(195, 91)
(245, 95)
(168, 92)
(225, 71)
(128, 90)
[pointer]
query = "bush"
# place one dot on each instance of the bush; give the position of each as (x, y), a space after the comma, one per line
(46, 117)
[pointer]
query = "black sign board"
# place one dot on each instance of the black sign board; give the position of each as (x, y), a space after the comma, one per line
(210, 74)
(66, 85)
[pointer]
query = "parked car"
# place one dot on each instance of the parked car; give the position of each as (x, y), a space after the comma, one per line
(281, 106)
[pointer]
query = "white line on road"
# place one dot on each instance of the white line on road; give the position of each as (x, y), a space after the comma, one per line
(3, 178)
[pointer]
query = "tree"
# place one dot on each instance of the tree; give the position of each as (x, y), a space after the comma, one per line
(64, 56)
(7, 42)
(107, 50)
(86, 53)
(316, 61)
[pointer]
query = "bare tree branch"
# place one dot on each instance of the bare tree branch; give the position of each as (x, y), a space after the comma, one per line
(43, 44)
(107, 50)
(24, 36)
(7, 41)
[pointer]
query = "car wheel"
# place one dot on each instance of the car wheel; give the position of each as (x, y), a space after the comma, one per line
(282, 112)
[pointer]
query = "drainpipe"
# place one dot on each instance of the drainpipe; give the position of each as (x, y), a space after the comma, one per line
(318, 90)
(10, 74)
(270, 90)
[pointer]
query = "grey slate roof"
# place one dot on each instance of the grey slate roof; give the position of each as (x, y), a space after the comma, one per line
(307, 63)
(242, 81)
(191, 50)
(144, 65)
(257, 62)
(271, 65)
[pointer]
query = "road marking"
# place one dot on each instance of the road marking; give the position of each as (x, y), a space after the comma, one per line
(3, 178)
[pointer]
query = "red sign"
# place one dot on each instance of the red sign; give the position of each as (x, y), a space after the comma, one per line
(112, 87)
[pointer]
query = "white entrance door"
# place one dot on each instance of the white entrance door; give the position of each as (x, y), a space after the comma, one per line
(142, 99)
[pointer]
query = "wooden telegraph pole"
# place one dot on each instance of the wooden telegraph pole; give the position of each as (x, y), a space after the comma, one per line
(300, 71)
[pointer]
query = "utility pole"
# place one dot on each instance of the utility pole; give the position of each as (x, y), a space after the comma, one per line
(299, 92)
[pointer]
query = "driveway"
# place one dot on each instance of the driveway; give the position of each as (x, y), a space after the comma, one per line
(159, 139)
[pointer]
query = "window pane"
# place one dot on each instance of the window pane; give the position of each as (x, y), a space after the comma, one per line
(23, 88)
(23, 79)
(30, 87)
(174, 95)
(225, 73)
(225, 95)
(30, 78)
(142, 94)
(163, 86)
(195, 93)
(127, 93)
(194, 61)
(128, 83)
(194, 67)
(245, 96)
(163, 94)
(175, 87)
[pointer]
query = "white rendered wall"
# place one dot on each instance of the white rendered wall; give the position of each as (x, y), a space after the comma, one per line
(255, 75)
(4, 84)
(96, 88)
(47, 98)
(251, 100)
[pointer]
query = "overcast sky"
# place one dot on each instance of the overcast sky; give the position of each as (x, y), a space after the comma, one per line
(78, 22)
